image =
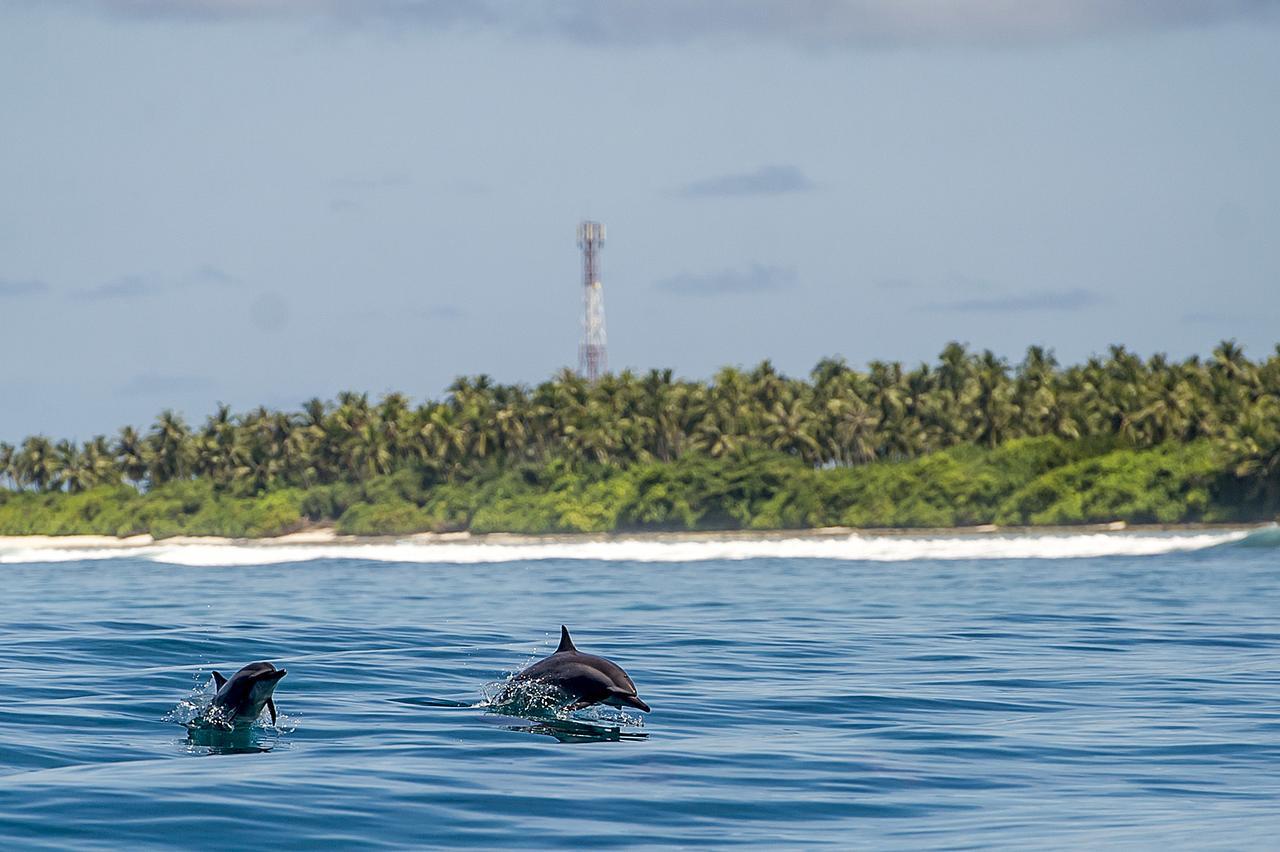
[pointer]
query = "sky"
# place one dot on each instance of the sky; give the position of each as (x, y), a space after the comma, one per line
(260, 201)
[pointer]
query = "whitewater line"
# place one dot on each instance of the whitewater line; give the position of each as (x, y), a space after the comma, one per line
(859, 548)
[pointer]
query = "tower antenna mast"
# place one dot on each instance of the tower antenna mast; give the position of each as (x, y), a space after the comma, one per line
(592, 359)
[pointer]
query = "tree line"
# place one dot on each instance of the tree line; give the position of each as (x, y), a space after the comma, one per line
(838, 417)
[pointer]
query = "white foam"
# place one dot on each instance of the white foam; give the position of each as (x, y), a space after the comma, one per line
(31, 555)
(844, 548)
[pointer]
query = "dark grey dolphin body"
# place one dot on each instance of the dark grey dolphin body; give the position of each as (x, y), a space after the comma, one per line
(240, 700)
(585, 678)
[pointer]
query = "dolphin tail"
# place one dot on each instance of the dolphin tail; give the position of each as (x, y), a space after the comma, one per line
(271, 705)
(566, 644)
(218, 680)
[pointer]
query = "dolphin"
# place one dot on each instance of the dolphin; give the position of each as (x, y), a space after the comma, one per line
(585, 678)
(240, 700)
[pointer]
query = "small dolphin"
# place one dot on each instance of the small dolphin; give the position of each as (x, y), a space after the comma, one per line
(586, 678)
(240, 700)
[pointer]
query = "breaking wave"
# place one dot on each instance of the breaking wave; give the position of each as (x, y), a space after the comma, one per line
(868, 548)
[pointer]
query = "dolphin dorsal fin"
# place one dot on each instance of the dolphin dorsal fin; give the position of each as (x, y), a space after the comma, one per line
(218, 680)
(566, 644)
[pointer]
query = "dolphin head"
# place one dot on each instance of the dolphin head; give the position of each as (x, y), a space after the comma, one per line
(247, 692)
(264, 682)
(621, 690)
(620, 698)
(263, 685)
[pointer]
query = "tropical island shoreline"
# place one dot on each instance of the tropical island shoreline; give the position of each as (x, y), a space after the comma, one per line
(968, 443)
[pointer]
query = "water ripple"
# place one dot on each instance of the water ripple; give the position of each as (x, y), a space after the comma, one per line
(799, 701)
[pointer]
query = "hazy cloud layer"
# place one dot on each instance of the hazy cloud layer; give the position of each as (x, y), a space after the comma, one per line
(1049, 300)
(14, 288)
(137, 286)
(128, 287)
(754, 279)
(769, 180)
(803, 22)
(209, 276)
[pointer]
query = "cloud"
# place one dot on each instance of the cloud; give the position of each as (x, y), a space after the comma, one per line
(768, 180)
(811, 23)
(137, 286)
(128, 287)
(166, 385)
(353, 193)
(755, 279)
(11, 288)
(209, 276)
(372, 182)
(1048, 300)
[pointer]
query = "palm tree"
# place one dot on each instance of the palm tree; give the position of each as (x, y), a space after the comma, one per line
(132, 455)
(35, 465)
(6, 464)
(221, 455)
(99, 463)
(993, 401)
(71, 473)
(1034, 393)
(1255, 443)
(789, 428)
(839, 415)
(171, 450)
(1165, 416)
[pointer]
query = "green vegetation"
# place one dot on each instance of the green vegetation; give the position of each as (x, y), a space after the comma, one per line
(966, 441)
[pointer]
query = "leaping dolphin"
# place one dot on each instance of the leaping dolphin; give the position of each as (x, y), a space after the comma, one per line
(585, 678)
(240, 700)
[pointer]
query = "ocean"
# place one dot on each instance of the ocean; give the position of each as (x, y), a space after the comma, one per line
(1038, 690)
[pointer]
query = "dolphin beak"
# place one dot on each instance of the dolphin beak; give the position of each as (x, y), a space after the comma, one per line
(634, 701)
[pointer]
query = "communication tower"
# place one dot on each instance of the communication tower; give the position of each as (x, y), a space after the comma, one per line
(592, 361)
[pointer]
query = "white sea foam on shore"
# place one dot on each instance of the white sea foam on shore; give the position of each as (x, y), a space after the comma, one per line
(870, 548)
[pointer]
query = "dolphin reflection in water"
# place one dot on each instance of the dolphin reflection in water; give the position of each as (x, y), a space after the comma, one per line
(584, 679)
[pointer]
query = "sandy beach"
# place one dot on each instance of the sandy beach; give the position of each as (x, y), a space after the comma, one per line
(325, 536)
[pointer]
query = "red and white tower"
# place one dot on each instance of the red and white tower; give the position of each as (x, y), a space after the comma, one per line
(592, 361)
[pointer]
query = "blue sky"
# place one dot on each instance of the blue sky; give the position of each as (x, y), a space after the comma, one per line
(259, 202)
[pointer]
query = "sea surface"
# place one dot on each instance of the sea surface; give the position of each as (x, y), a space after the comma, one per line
(1046, 691)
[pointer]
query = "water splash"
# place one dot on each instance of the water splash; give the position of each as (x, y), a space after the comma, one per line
(210, 732)
(193, 705)
(545, 708)
(531, 699)
(543, 702)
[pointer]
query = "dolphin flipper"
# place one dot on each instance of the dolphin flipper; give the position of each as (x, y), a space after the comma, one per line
(218, 680)
(271, 705)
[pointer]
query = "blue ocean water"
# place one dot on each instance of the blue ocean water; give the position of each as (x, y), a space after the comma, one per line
(1043, 691)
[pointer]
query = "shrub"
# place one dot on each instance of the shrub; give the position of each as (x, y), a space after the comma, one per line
(396, 517)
